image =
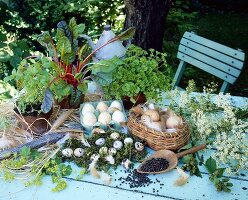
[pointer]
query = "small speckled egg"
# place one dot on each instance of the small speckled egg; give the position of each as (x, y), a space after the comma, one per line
(78, 152)
(68, 152)
(118, 144)
(128, 141)
(112, 151)
(94, 157)
(139, 146)
(100, 142)
(114, 135)
(103, 150)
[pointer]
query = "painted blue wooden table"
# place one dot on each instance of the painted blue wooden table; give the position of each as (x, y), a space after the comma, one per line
(162, 186)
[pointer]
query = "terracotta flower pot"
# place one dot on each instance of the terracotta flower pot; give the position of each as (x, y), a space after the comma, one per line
(35, 122)
(139, 99)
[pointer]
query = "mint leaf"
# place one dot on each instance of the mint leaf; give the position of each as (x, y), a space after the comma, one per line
(219, 172)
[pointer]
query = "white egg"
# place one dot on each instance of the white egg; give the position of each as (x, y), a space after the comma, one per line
(173, 122)
(101, 106)
(110, 159)
(67, 152)
(104, 118)
(114, 135)
(78, 152)
(118, 116)
(112, 109)
(103, 150)
(100, 142)
(118, 144)
(88, 108)
(139, 146)
(128, 141)
(89, 119)
(116, 104)
(112, 151)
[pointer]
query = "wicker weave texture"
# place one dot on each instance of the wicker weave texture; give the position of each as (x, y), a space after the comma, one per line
(159, 140)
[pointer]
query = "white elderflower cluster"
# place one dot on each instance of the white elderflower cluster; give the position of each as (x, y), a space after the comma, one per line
(215, 121)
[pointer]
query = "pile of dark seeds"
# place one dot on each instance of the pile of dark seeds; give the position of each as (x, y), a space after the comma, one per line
(155, 165)
(135, 179)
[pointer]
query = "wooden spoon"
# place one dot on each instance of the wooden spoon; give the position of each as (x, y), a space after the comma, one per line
(170, 156)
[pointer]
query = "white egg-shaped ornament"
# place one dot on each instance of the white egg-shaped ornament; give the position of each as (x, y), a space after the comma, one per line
(126, 163)
(110, 159)
(89, 119)
(112, 151)
(88, 108)
(67, 152)
(100, 142)
(103, 150)
(101, 106)
(116, 104)
(173, 122)
(78, 152)
(118, 116)
(114, 135)
(118, 144)
(104, 118)
(128, 141)
(139, 146)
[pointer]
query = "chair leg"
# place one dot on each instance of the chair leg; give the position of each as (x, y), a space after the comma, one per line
(225, 87)
(179, 73)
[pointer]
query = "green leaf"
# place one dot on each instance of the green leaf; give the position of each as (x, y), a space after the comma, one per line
(73, 28)
(127, 34)
(44, 38)
(81, 28)
(35, 154)
(63, 26)
(219, 172)
(64, 45)
(211, 165)
(47, 102)
(25, 151)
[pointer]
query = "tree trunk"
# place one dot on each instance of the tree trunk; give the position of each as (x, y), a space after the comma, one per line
(148, 17)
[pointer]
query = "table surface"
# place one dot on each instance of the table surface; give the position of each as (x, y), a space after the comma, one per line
(162, 187)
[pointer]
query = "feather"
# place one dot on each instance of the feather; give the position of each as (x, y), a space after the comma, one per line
(93, 170)
(182, 179)
(106, 178)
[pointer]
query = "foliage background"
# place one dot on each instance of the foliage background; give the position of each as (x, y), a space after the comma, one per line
(224, 21)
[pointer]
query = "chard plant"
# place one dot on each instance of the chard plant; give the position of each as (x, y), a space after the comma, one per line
(63, 72)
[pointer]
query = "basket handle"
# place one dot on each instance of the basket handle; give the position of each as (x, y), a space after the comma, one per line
(192, 150)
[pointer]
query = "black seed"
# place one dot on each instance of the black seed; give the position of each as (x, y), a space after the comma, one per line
(244, 188)
(155, 165)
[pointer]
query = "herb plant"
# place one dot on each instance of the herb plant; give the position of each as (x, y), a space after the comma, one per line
(139, 72)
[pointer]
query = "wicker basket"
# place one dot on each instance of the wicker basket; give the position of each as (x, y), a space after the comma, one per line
(159, 140)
